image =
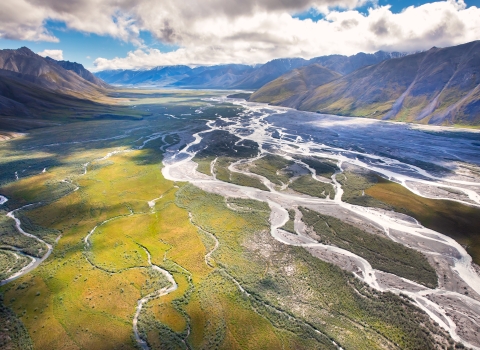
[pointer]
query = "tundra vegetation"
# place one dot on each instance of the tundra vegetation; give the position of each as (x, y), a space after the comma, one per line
(381, 252)
(237, 286)
(453, 219)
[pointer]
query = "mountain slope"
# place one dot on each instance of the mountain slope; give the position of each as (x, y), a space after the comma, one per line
(220, 76)
(238, 76)
(35, 92)
(347, 64)
(80, 70)
(117, 76)
(289, 89)
(439, 86)
(50, 74)
(268, 72)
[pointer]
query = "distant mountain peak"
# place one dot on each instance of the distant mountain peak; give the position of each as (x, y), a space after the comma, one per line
(25, 51)
(48, 58)
(79, 69)
(49, 73)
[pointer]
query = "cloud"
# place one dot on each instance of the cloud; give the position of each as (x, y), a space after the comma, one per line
(19, 21)
(262, 36)
(55, 54)
(124, 19)
(248, 31)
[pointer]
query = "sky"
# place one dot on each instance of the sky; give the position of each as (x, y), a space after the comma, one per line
(140, 34)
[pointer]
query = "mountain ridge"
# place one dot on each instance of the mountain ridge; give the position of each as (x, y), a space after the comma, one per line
(240, 76)
(291, 87)
(80, 70)
(438, 86)
(51, 75)
(36, 91)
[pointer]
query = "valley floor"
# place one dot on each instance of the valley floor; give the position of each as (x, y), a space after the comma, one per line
(221, 224)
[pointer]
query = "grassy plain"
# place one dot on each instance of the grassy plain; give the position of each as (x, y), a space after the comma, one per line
(453, 219)
(85, 295)
(67, 283)
(271, 166)
(456, 220)
(354, 187)
(308, 185)
(290, 287)
(382, 253)
(64, 295)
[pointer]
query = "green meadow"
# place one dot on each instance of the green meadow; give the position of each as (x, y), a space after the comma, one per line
(238, 288)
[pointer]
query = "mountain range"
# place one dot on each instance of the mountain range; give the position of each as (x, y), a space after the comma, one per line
(438, 86)
(37, 91)
(46, 72)
(237, 76)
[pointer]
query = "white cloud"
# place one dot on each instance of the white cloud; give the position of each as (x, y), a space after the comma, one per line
(18, 20)
(55, 54)
(262, 36)
(123, 19)
(248, 31)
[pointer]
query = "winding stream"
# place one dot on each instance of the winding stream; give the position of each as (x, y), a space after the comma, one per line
(156, 294)
(35, 262)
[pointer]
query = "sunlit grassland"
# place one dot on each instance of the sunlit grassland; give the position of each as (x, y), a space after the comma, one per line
(456, 220)
(354, 187)
(284, 278)
(71, 283)
(93, 307)
(84, 296)
(90, 303)
(11, 263)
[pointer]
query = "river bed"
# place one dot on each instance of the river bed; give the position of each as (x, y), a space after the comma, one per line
(391, 149)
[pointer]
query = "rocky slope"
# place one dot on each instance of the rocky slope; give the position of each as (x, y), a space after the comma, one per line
(48, 73)
(439, 86)
(34, 91)
(80, 70)
(347, 64)
(290, 88)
